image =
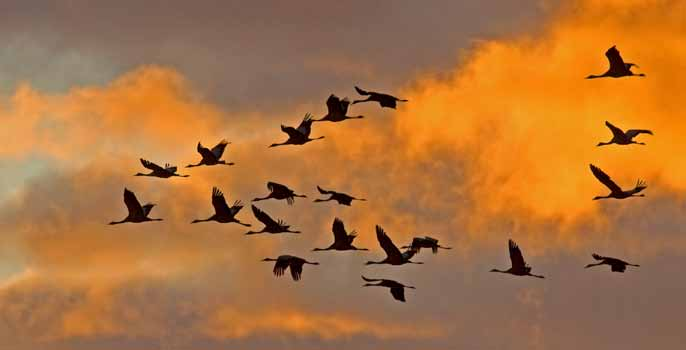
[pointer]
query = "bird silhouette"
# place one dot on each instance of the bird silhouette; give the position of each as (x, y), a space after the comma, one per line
(384, 100)
(212, 157)
(270, 226)
(342, 239)
(393, 254)
(624, 138)
(158, 171)
(299, 136)
(519, 266)
(616, 191)
(617, 68)
(616, 265)
(337, 110)
(397, 289)
(425, 242)
(137, 213)
(278, 191)
(341, 198)
(285, 261)
(222, 212)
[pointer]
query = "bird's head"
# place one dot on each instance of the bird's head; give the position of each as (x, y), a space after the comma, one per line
(268, 259)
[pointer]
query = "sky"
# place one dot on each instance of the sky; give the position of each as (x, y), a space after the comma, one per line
(494, 143)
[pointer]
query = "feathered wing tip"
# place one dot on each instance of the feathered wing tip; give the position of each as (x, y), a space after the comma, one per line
(361, 92)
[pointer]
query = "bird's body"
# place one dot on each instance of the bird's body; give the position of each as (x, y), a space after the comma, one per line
(393, 254)
(519, 266)
(211, 157)
(222, 212)
(278, 191)
(397, 289)
(137, 212)
(616, 191)
(618, 68)
(158, 171)
(288, 261)
(341, 198)
(624, 138)
(385, 100)
(342, 239)
(299, 136)
(616, 265)
(337, 110)
(270, 225)
(425, 242)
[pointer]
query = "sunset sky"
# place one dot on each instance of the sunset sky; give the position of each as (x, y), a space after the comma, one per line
(494, 143)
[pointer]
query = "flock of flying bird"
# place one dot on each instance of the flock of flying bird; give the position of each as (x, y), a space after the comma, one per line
(343, 240)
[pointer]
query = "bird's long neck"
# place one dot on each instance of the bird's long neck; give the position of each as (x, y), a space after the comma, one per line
(359, 101)
(280, 144)
(596, 264)
(604, 143)
(595, 76)
(318, 138)
(311, 263)
(269, 259)
(375, 262)
(320, 249)
(372, 285)
(356, 248)
(442, 247)
(241, 223)
(262, 198)
(501, 271)
(118, 222)
(149, 219)
(359, 199)
(635, 265)
(193, 165)
(299, 195)
(322, 200)
(203, 220)
(255, 232)
(141, 174)
(537, 276)
(601, 197)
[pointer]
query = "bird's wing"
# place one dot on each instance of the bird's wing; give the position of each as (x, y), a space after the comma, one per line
(237, 206)
(371, 279)
(333, 105)
(631, 133)
(277, 187)
(361, 92)
(296, 268)
(398, 293)
(205, 152)
(616, 62)
(280, 266)
(305, 126)
(338, 228)
(618, 267)
(263, 217)
(345, 103)
(132, 203)
(391, 250)
(323, 191)
(219, 202)
(147, 208)
(150, 165)
(617, 132)
(516, 256)
(605, 179)
(218, 150)
(170, 168)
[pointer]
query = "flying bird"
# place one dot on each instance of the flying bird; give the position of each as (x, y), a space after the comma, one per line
(624, 138)
(270, 226)
(616, 191)
(158, 171)
(393, 254)
(617, 68)
(222, 212)
(425, 242)
(337, 110)
(341, 198)
(519, 266)
(616, 265)
(397, 289)
(278, 191)
(384, 100)
(137, 213)
(285, 261)
(212, 157)
(299, 136)
(342, 239)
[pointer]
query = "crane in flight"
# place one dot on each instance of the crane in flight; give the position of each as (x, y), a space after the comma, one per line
(284, 262)
(342, 239)
(616, 265)
(618, 68)
(211, 157)
(397, 289)
(158, 171)
(616, 191)
(519, 266)
(137, 212)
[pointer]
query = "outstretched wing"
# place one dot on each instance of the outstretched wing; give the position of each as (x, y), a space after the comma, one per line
(339, 233)
(398, 293)
(323, 191)
(345, 103)
(361, 92)
(631, 133)
(237, 206)
(305, 126)
(152, 166)
(170, 168)
(205, 152)
(132, 204)
(391, 250)
(263, 217)
(516, 256)
(218, 150)
(296, 269)
(280, 266)
(616, 61)
(147, 208)
(617, 132)
(333, 105)
(219, 202)
(277, 187)
(605, 179)
(291, 131)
